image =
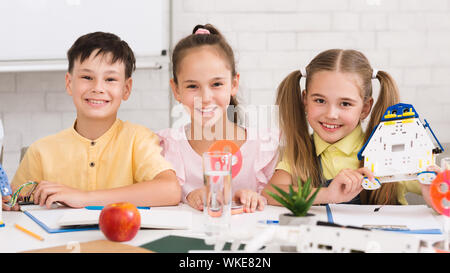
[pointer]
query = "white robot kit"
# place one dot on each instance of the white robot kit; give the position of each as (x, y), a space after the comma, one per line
(400, 148)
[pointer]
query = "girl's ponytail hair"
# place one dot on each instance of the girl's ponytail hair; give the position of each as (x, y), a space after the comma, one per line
(299, 148)
(389, 95)
(203, 38)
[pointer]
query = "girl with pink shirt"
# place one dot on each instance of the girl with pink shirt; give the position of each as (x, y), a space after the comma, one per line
(205, 82)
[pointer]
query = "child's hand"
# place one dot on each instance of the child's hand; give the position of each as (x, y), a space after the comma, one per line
(5, 199)
(426, 188)
(47, 193)
(195, 198)
(347, 185)
(250, 200)
(434, 168)
(426, 194)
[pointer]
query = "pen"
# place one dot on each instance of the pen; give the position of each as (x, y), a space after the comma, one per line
(328, 224)
(269, 222)
(101, 207)
(32, 234)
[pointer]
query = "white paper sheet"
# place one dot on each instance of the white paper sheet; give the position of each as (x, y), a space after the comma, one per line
(414, 217)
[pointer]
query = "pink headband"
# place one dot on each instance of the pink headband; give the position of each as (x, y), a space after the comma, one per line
(202, 31)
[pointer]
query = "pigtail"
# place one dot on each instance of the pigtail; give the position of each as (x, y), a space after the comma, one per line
(389, 95)
(233, 110)
(299, 149)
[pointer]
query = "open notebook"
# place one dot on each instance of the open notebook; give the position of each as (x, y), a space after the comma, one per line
(67, 219)
(153, 218)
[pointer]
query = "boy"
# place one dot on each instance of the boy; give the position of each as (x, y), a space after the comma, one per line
(100, 159)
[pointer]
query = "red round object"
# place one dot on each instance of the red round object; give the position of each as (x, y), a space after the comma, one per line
(231, 147)
(437, 196)
(120, 222)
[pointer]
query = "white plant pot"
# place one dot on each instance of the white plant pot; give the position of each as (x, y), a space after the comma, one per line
(288, 219)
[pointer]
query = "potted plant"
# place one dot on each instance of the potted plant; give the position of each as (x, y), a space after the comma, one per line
(298, 202)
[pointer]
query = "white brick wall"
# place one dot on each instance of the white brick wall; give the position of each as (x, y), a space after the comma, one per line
(408, 38)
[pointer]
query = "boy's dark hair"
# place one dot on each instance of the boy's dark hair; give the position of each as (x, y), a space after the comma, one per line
(106, 43)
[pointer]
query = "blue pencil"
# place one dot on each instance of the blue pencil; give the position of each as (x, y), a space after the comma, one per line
(269, 222)
(101, 207)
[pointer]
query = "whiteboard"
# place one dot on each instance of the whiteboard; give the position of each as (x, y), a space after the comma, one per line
(46, 29)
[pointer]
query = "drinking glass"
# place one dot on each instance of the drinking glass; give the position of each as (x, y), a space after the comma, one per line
(217, 197)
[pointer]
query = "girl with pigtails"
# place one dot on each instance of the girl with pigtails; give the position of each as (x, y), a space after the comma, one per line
(336, 99)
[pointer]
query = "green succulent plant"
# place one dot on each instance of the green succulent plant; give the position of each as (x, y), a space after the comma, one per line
(296, 201)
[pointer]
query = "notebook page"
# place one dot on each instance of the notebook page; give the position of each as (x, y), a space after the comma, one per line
(74, 217)
(414, 217)
(153, 218)
(166, 219)
(49, 217)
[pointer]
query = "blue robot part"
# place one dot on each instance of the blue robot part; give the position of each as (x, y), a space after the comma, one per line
(399, 111)
(402, 111)
(5, 187)
(439, 149)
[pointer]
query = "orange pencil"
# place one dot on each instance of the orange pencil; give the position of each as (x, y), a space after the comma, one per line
(29, 232)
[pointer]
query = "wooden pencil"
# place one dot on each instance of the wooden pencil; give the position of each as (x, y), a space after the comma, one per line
(29, 232)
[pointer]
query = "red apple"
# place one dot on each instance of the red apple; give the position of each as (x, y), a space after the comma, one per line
(120, 222)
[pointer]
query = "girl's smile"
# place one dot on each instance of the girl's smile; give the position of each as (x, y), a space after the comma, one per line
(207, 111)
(334, 105)
(330, 127)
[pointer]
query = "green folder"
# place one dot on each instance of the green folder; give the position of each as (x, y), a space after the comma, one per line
(181, 244)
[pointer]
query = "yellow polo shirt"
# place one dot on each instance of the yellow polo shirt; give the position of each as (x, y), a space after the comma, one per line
(127, 153)
(344, 154)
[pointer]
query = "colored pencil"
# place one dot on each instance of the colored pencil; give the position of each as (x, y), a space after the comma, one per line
(32, 234)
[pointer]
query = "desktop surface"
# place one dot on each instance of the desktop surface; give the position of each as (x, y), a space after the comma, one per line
(13, 240)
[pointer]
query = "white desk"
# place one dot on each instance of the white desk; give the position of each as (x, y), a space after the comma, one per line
(13, 240)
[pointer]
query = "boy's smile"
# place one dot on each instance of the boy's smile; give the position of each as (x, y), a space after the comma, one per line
(97, 103)
(98, 87)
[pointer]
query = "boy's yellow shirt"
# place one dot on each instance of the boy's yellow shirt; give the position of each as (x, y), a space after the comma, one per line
(344, 154)
(127, 153)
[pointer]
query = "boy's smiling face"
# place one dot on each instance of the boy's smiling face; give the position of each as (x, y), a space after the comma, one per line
(98, 86)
